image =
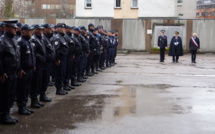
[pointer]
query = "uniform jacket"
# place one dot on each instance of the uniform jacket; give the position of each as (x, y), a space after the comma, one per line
(84, 43)
(61, 46)
(39, 48)
(87, 38)
(192, 46)
(162, 41)
(92, 39)
(9, 54)
(176, 48)
(27, 57)
(78, 45)
(50, 48)
(70, 42)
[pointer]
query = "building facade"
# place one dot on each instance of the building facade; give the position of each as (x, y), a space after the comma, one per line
(136, 9)
(45, 8)
(186, 9)
(205, 9)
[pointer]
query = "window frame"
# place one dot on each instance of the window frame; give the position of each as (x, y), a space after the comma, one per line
(132, 6)
(86, 2)
(115, 4)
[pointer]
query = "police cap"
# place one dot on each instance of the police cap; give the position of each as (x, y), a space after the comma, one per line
(162, 31)
(37, 26)
(69, 27)
(12, 23)
(46, 25)
(19, 24)
(26, 27)
(1, 24)
(90, 25)
(83, 28)
(60, 25)
(77, 29)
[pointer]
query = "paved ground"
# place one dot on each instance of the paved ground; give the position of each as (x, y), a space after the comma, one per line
(137, 96)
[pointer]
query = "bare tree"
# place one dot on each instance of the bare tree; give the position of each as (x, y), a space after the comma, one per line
(8, 9)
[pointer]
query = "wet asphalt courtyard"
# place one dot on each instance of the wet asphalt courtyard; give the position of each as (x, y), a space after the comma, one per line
(139, 95)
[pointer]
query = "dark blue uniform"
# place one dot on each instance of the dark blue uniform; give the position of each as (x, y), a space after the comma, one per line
(162, 43)
(76, 72)
(27, 64)
(50, 58)
(9, 64)
(61, 51)
(38, 76)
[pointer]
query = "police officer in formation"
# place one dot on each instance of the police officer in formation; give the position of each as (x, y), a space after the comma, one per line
(31, 54)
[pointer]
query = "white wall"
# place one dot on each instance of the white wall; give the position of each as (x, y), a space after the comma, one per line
(157, 8)
(100, 8)
(188, 9)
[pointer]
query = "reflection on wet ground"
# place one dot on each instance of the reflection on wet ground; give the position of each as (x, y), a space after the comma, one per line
(139, 96)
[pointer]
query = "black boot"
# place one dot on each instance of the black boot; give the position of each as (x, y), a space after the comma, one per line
(80, 79)
(34, 104)
(6, 119)
(44, 98)
(89, 74)
(60, 92)
(29, 110)
(66, 88)
(23, 111)
(74, 83)
(84, 77)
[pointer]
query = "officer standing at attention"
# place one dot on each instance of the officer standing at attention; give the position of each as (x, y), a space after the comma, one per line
(176, 48)
(76, 71)
(162, 44)
(70, 58)
(61, 51)
(86, 35)
(50, 57)
(9, 64)
(27, 66)
(194, 45)
(38, 76)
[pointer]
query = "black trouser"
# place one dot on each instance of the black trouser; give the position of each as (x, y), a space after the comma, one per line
(115, 54)
(162, 54)
(46, 77)
(96, 59)
(69, 66)
(111, 55)
(7, 93)
(83, 64)
(90, 64)
(175, 58)
(60, 73)
(24, 87)
(37, 80)
(76, 71)
(193, 55)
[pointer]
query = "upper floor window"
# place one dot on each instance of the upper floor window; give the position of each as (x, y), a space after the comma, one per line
(88, 3)
(180, 1)
(118, 4)
(134, 4)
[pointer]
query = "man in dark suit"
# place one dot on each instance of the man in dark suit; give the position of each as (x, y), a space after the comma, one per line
(194, 45)
(162, 44)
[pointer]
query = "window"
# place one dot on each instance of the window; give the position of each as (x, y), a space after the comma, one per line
(134, 4)
(118, 3)
(88, 4)
(46, 6)
(180, 1)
